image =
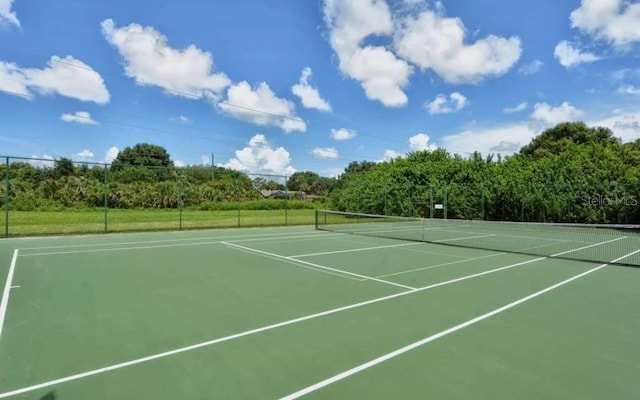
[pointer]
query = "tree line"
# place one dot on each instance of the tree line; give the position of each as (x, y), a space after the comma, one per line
(569, 173)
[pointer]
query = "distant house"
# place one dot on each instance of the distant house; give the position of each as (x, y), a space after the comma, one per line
(281, 195)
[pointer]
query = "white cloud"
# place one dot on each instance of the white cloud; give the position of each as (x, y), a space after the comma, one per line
(260, 157)
(420, 142)
(390, 155)
(433, 41)
(381, 74)
(80, 117)
(628, 89)
(330, 153)
(555, 115)
(84, 155)
(530, 68)
(309, 95)
(42, 161)
(342, 134)
(569, 56)
(625, 124)
(261, 106)
(6, 14)
(150, 61)
(614, 21)
(512, 110)
(503, 140)
(13, 81)
(111, 154)
(68, 77)
(179, 163)
(443, 105)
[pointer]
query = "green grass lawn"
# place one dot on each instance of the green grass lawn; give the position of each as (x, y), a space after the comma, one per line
(32, 223)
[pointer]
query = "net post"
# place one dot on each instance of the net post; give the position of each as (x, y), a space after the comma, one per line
(316, 219)
(430, 201)
(445, 205)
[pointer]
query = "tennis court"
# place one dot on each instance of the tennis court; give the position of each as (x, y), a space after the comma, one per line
(300, 312)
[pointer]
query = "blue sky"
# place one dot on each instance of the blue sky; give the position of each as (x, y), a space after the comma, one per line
(310, 85)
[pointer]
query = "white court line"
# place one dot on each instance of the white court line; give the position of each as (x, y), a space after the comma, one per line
(352, 250)
(7, 288)
(251, 332)
(463, 238)
(260, 236)
(439, 265)
(134, 247)
(15, 287)
(303, 265)
(319, 266)
(395, 353)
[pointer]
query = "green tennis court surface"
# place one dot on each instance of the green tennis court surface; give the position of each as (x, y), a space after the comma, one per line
(299, 313)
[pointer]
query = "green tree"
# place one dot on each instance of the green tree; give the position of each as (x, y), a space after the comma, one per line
(143, 155)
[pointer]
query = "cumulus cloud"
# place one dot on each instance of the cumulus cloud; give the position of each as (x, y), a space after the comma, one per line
(149, 59)
(342, 134)
(7, 16)
(80, 117)
(505, 140)
(615, 21)
(432, 41)
(260, 157)
(569, 56)
(512, 110)
(416, 36)
(330, 153)
(420, 142)
(68, 77)
(309, 95)
(379, 71)
(43, 161)
(625, 124)
(390, 155)
(13, 81)
(261, 106)
(443, 105)
(84, 155)
(555, 115)
(111, 154)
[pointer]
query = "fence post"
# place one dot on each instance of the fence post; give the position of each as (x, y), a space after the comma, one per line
(286, 200)
(6, 199)
(238, 196)
(180, 197)
(484, 215)
(106, 197)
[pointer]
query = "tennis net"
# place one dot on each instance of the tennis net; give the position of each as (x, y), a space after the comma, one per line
(599, 243)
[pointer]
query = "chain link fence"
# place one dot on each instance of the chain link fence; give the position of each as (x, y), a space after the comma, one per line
(47, 197)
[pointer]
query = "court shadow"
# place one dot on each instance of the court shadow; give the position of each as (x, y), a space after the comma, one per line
(49, 396)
